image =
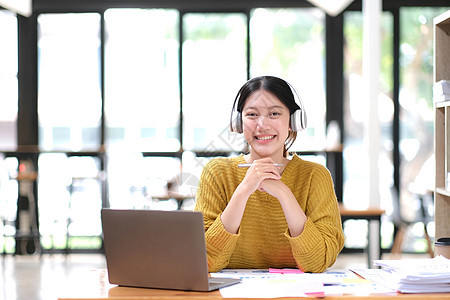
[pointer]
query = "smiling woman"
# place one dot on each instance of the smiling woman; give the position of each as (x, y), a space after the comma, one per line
(281, 211)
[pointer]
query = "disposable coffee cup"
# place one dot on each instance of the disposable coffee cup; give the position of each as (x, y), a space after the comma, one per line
(442, 247)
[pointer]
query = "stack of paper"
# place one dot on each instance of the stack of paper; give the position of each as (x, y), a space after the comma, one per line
(441, 91)
(419, 275)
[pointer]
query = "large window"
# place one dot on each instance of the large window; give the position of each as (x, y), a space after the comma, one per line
(8, 80)
(142, 94)
(69, 114)
(69, 93)
(214, 68)
(142, 104)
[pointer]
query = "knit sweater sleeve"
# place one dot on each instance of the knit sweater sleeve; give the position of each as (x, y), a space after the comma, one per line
(322, 239)
(213, 195)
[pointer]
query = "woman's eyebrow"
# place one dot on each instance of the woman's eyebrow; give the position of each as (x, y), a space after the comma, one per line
(269, 107)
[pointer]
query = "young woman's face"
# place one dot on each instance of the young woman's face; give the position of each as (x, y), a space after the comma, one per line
(265, 122)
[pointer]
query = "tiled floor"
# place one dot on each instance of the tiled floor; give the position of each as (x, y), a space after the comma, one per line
(33, 277)
(36, 277)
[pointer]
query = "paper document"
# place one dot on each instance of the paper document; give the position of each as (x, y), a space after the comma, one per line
(257, 283)
(429, 275)
(433, 265)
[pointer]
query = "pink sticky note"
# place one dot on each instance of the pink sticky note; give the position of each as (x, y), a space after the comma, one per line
(316, 294)
(285, 271)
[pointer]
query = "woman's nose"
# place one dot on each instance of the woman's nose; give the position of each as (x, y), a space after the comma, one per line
(263, 122)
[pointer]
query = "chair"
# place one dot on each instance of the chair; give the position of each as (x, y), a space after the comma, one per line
(422, 215)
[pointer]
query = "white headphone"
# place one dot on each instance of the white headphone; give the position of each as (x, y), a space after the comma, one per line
(297, 120)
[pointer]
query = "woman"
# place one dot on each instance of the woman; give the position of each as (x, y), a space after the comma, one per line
(277, 212)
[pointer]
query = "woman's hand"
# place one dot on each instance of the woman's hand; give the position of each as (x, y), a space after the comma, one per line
(260, 171)
(272, 187)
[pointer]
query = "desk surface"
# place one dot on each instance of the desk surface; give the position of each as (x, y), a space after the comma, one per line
(95, 285)
(173, 195)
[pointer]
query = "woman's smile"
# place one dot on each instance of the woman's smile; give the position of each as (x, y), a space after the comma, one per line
(265, 138)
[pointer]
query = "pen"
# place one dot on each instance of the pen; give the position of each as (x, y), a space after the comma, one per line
(249, 165)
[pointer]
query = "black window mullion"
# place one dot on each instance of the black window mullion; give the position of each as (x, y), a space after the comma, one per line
(180, 75)
(102, 78)
(334, 43)
(247, 13)
(395, 96)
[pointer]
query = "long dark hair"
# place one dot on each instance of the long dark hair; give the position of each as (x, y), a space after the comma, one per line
(279, 88)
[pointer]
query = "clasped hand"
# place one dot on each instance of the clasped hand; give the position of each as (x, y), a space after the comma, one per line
(264, 176)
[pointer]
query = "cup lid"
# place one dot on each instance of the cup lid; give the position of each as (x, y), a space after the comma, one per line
(443, 241)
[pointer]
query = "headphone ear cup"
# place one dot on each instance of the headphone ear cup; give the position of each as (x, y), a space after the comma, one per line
(298, 120)
(236, 125)
(303, 119)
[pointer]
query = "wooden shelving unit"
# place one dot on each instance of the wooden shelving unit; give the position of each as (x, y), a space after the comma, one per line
(442, 126)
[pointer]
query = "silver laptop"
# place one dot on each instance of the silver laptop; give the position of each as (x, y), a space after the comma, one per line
(158, 249)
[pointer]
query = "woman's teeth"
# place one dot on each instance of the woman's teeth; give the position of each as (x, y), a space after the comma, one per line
(265, 137)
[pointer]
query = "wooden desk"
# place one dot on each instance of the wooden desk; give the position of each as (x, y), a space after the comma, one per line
(371, 215)
(95, 285)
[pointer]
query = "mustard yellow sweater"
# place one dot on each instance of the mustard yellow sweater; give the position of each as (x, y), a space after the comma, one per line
(263, 239)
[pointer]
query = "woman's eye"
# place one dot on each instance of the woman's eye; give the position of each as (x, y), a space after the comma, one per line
(250, 114)
(275, 113)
